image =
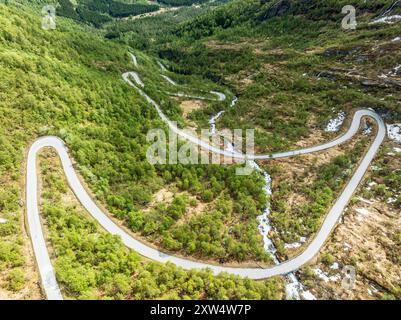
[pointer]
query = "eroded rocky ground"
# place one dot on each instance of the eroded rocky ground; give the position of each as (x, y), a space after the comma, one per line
(368, 238)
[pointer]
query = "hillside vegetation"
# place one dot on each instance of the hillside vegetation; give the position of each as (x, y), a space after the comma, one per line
(293, 69)
(67, 83)
(92, 264)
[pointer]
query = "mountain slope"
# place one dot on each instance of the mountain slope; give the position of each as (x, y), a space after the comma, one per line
(67, 82)
(295, 70)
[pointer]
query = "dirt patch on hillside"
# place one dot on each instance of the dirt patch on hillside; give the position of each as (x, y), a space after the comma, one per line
(364, 240)
(194, 210)
(240, 80)
(188, 106)
(295, 168)
(165, 195)
(151, 14)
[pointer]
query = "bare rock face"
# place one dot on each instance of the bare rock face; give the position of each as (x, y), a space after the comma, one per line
(340, 52)
(370, 83)
(277, 10)
(331, 76)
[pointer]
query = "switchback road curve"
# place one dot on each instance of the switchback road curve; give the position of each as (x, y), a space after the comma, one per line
(46, 270)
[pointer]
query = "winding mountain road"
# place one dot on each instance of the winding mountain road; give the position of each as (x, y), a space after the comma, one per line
(47, 273)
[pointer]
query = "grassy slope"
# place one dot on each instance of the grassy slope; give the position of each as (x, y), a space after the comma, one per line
(292, 74)
(280, 59)
(59, 82)
(98, 64)
(68, 83)
(108, 270)
(283, 57)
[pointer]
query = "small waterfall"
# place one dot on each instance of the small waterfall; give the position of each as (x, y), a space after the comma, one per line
(294, 289)
(213, 120)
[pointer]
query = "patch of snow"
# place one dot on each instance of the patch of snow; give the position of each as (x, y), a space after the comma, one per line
(294, 289)
(395, 70)
(307, 295)
(335, 124)
(363, 212)
(326, 278)
(367, 131)
(335, 266)
(295, 244)
(388, 19)
(366, 201)
(394, 132)
(2, 220)
(391, 200)
(347, 246)
(374, 290)
(398, 150)
(396, 39)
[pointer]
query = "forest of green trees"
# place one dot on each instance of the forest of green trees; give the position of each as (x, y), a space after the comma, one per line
(182, 2)
(91, 264)
(283, 98)
(306, 218)
(68, 83)
(98, 12)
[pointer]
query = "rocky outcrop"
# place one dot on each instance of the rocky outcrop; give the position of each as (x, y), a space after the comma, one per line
(277, 10)
(333, 52)
(331, 76)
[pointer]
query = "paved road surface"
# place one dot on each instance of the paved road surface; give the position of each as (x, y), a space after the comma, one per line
(45, 267)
